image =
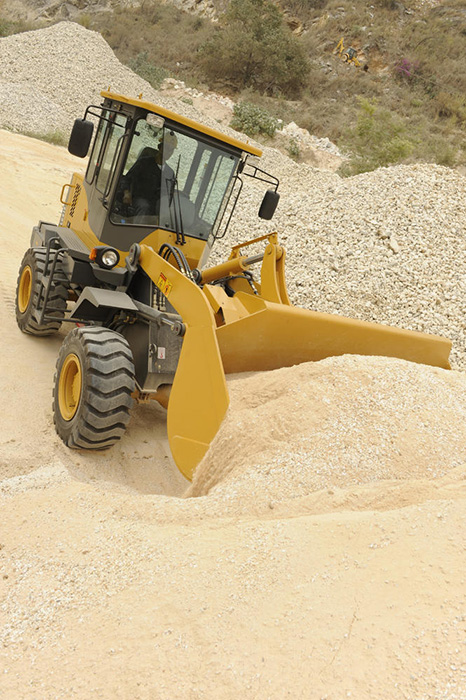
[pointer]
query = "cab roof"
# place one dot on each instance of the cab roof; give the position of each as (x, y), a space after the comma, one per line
(173, 116)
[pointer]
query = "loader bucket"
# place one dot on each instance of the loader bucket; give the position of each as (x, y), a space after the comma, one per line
(199, 397)
(275, 335)
(254, 332)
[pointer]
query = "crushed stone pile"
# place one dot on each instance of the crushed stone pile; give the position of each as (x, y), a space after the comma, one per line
(387, 246)
(340, 423)
(49, 76)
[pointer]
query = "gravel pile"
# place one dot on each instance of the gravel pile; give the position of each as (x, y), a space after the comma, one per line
(354, 421)
(50, 75)
(386, 246)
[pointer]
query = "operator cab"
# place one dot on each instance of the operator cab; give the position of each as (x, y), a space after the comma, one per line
(151, 169)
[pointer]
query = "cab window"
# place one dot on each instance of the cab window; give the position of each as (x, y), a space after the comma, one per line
(112, 142)
(173, 180)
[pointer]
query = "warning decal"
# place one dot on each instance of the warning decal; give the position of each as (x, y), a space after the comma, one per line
(164, 284)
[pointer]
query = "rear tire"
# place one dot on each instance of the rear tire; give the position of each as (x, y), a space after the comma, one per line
(30, 282)
(94, 381)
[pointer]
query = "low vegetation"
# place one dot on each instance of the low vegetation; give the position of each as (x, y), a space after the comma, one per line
(403, 100)
(8, 26)
(253, 120)
(253, 48)
(143, 66)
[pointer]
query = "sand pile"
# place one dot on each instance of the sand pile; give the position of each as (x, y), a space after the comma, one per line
(339, 423)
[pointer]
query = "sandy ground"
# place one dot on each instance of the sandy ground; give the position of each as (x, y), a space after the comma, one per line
(114, 586)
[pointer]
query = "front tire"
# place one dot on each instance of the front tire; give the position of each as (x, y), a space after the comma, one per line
(32, 275)
(94, 381)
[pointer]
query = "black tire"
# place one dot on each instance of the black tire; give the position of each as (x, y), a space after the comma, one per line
(94, 381)
(28, 288)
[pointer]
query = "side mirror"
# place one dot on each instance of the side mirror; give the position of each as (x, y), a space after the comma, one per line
(80, 139)
(269, 204)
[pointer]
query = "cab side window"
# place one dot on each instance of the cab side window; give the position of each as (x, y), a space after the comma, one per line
(94, 159)
(112, 140)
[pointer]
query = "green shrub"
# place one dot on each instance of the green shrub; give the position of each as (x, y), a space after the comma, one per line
(85, 20)
(253, 120)
(254, 48)
(439, 149)
(451, 106)
(378, 139)
(155, 75)
(8, 27)
(5, 26)
(293, 148)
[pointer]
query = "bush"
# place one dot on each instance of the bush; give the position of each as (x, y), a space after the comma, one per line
(407, 69)
(378, 139)
(85, 20)
(253, 120)
(293, 148)
(8, 27)
(451, 106)
(255, 49)
(155, 75)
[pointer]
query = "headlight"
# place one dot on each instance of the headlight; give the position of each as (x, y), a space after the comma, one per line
(110, 258)
(105, 256)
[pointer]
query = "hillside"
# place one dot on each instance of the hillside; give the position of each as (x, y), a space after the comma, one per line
(404, 102)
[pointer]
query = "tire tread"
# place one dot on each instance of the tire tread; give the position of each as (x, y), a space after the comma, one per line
(108, 382)
(57, 297)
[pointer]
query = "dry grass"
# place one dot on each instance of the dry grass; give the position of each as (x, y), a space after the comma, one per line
(168, 38)
(412, 68)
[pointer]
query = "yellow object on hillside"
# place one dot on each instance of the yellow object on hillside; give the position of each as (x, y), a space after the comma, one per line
(349, 55)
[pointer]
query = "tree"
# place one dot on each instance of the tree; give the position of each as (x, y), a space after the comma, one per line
(253, 48)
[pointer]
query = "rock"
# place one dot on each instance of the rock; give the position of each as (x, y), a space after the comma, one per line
(393, 243)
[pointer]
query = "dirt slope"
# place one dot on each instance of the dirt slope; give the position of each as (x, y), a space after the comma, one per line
(114, 586)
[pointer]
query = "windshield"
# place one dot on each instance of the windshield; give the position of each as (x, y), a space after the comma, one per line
(173, 181)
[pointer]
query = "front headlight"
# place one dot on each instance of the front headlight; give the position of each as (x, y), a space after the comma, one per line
(110, 257)
(105, 256)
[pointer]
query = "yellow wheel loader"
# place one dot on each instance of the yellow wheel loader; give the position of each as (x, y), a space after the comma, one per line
(127, 265)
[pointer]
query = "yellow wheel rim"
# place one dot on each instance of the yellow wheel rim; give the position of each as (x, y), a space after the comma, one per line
(24, 289)
(70, 386)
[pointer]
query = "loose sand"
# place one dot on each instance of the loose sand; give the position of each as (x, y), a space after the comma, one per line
(323, 557)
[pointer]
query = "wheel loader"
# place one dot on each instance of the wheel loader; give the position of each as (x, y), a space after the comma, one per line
(127, 266)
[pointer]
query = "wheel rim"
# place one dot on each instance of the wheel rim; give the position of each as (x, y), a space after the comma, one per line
(70, 386)
(24, 289)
